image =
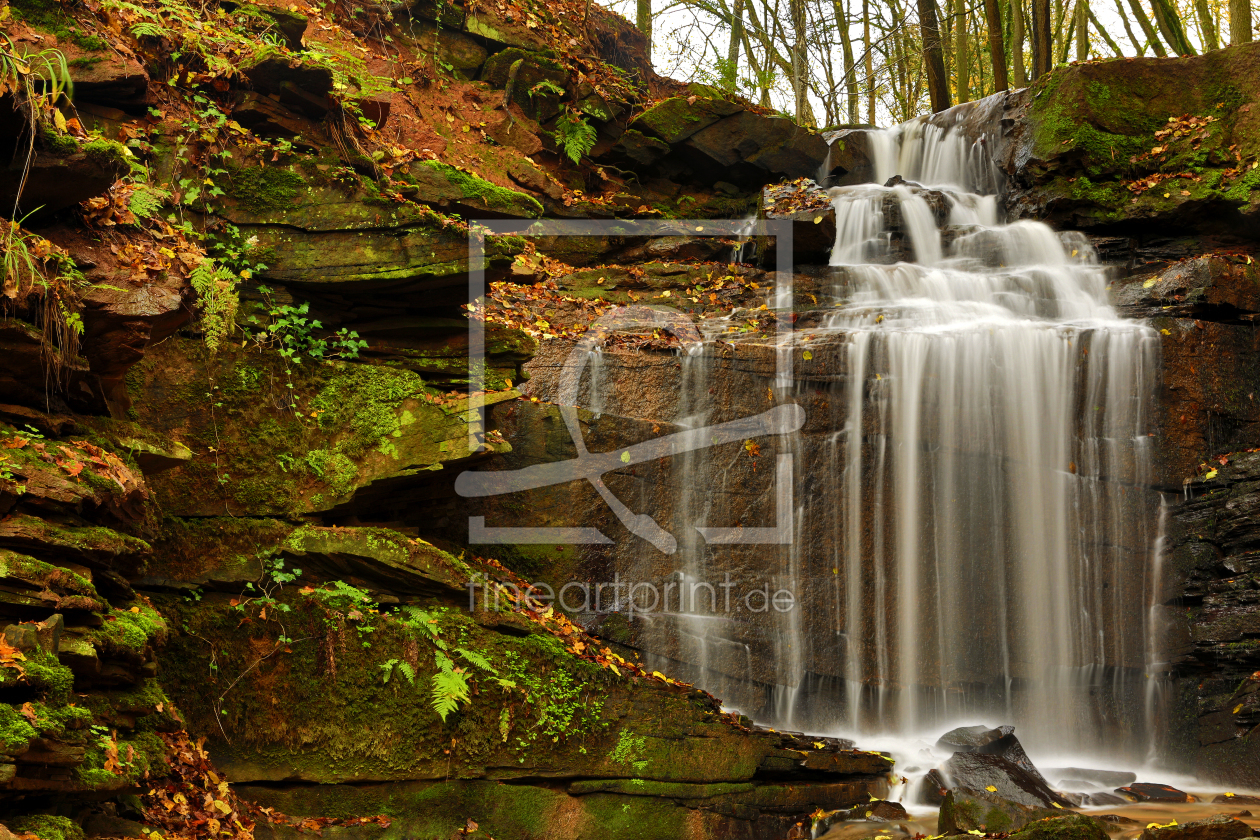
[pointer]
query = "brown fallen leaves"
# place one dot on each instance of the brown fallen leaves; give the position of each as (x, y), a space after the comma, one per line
(193, 802)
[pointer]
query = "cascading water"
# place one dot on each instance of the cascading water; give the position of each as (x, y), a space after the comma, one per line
(993, 469)
(972, 519)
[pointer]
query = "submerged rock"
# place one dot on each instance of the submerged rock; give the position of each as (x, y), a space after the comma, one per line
(1079, 777)
(966, 811)
(1072, 827)
(1000, 741)
(1219, 827)
(1146, 792)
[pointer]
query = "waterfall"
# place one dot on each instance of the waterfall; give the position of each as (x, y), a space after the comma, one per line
(972, 521)
(992, 467)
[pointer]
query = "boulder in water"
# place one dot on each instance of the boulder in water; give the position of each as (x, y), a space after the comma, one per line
(964, 811)
(1219, 827)
(998, 776)
(1236, 799)
(1145, 792)
(1071, 827)
(999, 741)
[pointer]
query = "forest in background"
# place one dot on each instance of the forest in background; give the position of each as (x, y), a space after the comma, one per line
(829, 63)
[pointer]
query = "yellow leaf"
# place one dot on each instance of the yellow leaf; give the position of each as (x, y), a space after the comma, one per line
(807, 355)
(817, 219)
(1209, 475)
(991, 789)
(1147, 284)
(1166, 332)
(1238, 708)
(818, 745)
(134, 610)
(59, 120)
(1057, 805)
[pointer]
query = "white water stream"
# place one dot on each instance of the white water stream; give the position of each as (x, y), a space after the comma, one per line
(998, 567)
(974, 537)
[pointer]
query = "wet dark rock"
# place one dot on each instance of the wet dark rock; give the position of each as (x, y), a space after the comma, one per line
(1071, 827)
(642, 148)
(773, 144)
(1075, 777)
(266, 116)
(1146, 792)
(848, 158)
(963, 811)
(1219, 827)
(1000, 741)
(55, 181)
(1236, 799)
(299, 86)
(1117, 819)
(996, 775)
(1103, 798)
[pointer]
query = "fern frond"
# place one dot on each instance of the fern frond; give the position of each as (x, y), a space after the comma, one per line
(450, 688)
(477, 659)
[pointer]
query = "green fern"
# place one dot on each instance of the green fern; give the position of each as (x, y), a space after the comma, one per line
(401, 667)
(146, 201)
(477, 659)
(217, 300)
(575, 136)
(450, 688)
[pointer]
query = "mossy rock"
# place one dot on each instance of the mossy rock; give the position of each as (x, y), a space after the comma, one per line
(443, 184)
(1070, 827)
(357, 424)
(464, 55)
(966, 811)
(1087, 143)
(677, 118)
(497, 67)
(47, 827)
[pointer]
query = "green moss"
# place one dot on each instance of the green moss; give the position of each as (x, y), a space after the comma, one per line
(1072, 827)
(50, 18)
(107, 153)
(491, 195)
(131, 629)
(15, 731)
(57, 144)
(264, 188)
(47, 827)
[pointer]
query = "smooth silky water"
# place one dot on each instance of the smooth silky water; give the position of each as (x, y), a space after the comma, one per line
(991, 536)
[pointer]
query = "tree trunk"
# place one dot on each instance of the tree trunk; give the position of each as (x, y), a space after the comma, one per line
(1147, 29)
(1207, 26)
(1138, 46)
(1017, 43)
(643, 20)
(850, 68)
(730, 73)
(997, 49)
(804, 115)
(1170, 27)
(1115, 48)
(938, 84)
(870, 62)
(1240, 22)
(1082, 30)
(1041, 38)
(962, 51)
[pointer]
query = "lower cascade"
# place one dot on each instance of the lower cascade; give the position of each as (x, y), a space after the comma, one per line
(971, 516)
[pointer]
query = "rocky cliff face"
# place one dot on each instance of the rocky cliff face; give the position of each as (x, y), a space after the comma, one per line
(233, 397)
